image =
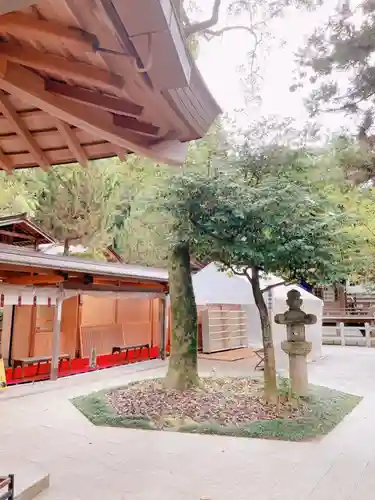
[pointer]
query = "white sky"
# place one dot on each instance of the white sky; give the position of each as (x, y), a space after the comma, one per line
(220, 58)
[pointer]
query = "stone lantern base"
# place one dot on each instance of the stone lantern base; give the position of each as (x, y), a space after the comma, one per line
(297, 352)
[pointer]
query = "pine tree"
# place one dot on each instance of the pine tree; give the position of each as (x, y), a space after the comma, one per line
(78, 205)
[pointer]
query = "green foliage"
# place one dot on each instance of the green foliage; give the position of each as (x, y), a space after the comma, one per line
(78, 205)
(277, 223)
(14, 197)
(141, 228)
(342, 47)
(147, 233)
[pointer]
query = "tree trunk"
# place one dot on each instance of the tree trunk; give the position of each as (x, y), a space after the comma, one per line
(66, 247)
(270, 382)
(183, 366)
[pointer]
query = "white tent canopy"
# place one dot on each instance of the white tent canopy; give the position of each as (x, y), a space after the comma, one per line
(212, 286)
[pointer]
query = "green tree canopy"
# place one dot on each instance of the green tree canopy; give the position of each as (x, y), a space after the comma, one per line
(78, 205)
(15, 197)
(144, 234)
(270, 223)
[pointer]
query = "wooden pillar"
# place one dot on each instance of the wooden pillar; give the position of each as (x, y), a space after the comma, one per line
(56, 339)
(6, 333)
(163, 327)
(78, 351)
(151, 316)
(32, 329)
(116, 310)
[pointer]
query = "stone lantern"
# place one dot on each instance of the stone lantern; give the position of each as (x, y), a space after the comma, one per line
(296, 345)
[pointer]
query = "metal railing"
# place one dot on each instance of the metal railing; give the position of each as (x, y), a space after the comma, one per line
(7, 487)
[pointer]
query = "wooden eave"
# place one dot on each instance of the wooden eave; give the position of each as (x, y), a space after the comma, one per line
(18, 230)
(77, 274)
(88, 79)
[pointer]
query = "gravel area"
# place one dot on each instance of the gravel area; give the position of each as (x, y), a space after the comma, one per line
(218, 400)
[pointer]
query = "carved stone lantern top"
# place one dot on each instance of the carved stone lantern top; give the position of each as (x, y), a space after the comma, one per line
(294, 318)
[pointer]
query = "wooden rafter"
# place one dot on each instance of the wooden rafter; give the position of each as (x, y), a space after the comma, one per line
(150, 98)
(14, 234)
(72, 141)
(5, 162)
(29, 86)
(80, 72)
(92, 98)
(23, 25)
(131, 123)
(8, 110)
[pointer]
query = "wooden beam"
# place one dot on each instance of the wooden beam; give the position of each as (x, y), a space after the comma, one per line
(5, 162)
(128, 122)
(150, 285)
(35, 280)
(80, 72)
(56, 338)
(29, 86)
(121, 153)
(8, 110)
(22, 25)
(95, 99)
(112, 288)
(73, 143)
(28, 237)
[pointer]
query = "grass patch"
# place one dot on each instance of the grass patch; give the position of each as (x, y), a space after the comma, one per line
(319, 413)
(96, 409)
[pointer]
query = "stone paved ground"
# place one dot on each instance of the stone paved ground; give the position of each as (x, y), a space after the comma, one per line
(39, 425)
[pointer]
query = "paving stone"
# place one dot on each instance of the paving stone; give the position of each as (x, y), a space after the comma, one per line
(39, 424)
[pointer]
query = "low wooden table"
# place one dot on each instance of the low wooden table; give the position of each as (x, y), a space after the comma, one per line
(36, 360)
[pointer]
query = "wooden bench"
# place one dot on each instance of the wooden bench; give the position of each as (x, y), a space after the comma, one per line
(127, 348)
(260, 354)
(36, 360)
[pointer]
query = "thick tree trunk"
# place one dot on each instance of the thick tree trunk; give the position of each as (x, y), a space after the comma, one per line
(183, 366)
(270, 382)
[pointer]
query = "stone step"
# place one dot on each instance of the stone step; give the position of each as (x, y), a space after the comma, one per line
(29, 480)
